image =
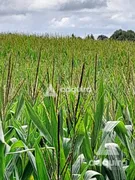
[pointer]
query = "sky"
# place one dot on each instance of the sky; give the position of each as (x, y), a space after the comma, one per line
(64, 17)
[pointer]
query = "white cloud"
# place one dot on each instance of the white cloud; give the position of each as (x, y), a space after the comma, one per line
(26, 6)
(67, 16)
(85, 19)
(121, 5)
(43, 4)
(64, 22)
(72, 5)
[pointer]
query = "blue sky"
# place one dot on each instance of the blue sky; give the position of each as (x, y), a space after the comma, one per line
(65, 17)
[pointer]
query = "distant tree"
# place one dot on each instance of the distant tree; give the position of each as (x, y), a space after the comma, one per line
(130, 35)
(117, 34)
(73, 36)
(79, 37)
(122, 35)
(102, 37)
(90, 37)
(87, 37)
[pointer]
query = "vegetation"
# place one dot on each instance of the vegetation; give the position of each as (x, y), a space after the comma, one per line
(90, 37)
(119, 35)
(123, 35)
(102, 37)
(72, 135)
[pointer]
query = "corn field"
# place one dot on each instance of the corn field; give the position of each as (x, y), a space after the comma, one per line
(77, 135)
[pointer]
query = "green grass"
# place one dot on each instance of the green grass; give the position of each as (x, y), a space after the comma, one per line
(73, 135)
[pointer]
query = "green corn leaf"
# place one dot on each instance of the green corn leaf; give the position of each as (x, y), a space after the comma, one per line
(38, 123)
(2, 155)
(98, 115)
(19, 106)
(41, 167)
(89, 175)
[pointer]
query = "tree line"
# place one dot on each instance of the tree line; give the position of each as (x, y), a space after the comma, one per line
(120, 35)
